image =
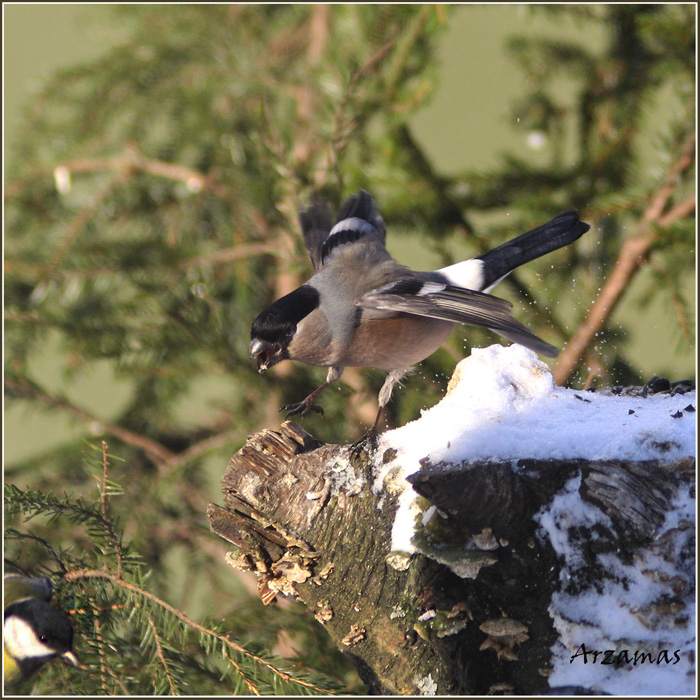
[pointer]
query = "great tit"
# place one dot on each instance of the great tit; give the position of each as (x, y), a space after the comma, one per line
(363, 309)
(34, 632)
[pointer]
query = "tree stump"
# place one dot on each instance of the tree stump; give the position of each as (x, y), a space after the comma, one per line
(472, 611)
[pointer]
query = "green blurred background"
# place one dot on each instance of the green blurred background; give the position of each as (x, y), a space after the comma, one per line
(465, 126)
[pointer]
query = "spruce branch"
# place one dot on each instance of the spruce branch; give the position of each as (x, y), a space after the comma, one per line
(36, 502)
(81, 574)
(406, 43)
(104, 499)
(114, 573)
(681, 315)
(105, 670)
(132, 162)
(344, 120)
(76, 227)
(12, 534)
(161, 655)
(251, 686)
(104, 504)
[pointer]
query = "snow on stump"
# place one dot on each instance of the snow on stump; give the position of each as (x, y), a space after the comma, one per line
(519, 538)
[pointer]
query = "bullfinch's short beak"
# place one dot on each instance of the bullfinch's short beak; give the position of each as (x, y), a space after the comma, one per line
(260, 353)
(256, 346)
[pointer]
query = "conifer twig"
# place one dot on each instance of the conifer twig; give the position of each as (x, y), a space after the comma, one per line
(15, 534)
(681, 316)
(104, 672)
(103, 490)
(104, 502)
(75, 227)
(161, 655)
(133, 588)
(132, 161)
(344, 125)
(244, 676)
(127, 164)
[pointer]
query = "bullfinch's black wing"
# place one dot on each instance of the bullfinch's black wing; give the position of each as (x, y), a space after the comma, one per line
(449, 303)
(358, 217)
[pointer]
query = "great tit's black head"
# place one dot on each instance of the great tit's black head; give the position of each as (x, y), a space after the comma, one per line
(275, 326)
(35, 632)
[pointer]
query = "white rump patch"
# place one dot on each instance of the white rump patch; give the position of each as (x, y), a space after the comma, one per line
(467, 274)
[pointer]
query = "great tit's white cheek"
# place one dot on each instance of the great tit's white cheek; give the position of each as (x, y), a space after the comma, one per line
(21, 641)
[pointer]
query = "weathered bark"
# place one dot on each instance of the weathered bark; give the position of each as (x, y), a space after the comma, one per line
(469, 614)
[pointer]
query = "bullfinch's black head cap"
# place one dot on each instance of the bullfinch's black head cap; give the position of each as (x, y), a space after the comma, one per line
(275, 326)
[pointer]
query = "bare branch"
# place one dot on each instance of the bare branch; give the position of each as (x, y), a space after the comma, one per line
(131, 162)
(155, 451)
(201, 447)
(632, 256)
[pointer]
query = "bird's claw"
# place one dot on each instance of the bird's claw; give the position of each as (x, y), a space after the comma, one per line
(368, 443)
(302, 407)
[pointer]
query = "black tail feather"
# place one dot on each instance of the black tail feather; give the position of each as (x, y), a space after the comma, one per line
(362, 206)
(560, 231)
(316, 224)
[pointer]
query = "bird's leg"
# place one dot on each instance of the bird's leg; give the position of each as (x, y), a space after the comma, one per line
(392, 379)
(370, 437)
(308, 405)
